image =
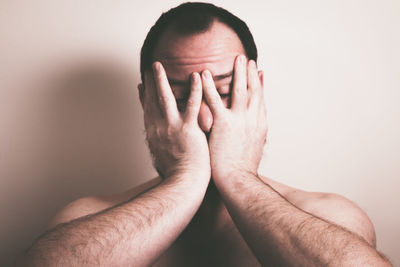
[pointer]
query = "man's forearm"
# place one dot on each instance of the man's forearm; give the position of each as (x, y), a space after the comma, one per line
(133, 233)
(280, 233)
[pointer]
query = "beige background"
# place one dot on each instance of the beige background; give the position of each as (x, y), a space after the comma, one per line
(71, 124)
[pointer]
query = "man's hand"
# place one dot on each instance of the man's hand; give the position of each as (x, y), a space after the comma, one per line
(136, 232)
(175, 140)
(278, 233)
(238, 134)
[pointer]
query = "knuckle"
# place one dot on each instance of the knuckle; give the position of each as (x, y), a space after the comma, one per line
(170, 132)
(213, 100)
(240, 92)
(191, 102)
(186, 129)
(162, 100)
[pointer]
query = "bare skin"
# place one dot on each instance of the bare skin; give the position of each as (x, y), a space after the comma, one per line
(210, 208)
(212, 237)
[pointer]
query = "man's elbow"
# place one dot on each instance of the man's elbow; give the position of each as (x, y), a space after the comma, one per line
(343, 212)
(370, 260)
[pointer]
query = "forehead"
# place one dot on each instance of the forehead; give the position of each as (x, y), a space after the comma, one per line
(215, 50)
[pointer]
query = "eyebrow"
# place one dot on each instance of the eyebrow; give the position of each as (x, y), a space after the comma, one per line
(215, 78)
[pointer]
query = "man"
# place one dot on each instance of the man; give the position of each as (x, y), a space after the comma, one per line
(205, 121)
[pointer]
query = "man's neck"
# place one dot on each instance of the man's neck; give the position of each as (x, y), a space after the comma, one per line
(212, 214)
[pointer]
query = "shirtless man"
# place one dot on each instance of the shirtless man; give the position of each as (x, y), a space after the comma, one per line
(205, 121)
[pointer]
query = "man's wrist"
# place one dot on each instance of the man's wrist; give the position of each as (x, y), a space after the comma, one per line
(189, 174)
(236, 174)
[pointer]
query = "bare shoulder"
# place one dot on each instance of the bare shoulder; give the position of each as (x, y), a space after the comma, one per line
(330, 207)
(93, 204)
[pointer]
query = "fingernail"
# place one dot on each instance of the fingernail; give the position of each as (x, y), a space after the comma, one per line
(156, 66)
(206, 74)
(195, 77)
(253, 64)
(242, 59)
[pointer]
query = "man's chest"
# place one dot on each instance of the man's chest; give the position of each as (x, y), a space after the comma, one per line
(224, 249)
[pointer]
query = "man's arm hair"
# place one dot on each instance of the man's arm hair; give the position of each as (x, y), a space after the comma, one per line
(281, 234)
(135, 232)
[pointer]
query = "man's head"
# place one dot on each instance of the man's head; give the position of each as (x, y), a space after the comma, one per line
(191, 38)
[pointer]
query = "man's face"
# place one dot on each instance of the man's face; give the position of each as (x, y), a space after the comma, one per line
(215, 50)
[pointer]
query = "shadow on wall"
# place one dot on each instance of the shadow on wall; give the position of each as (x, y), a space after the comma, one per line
(83, 126)
(94, 128)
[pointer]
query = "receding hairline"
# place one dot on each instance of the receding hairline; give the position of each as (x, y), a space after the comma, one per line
(177, 34)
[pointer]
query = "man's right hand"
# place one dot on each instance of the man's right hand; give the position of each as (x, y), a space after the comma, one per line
(177, 143)
(137, 231)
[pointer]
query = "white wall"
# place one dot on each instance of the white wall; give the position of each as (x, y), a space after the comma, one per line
(71, 123)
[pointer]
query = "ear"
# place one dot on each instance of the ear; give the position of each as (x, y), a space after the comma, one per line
(261, 77)
(141, 93)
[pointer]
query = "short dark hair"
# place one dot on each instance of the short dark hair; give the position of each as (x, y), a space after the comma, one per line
(190, 18)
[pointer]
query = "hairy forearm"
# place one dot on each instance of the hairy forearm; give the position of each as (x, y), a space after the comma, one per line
(133, 233)
(281, 234)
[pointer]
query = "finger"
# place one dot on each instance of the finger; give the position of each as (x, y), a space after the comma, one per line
(254, 83)
(166, 98)
(151, 107)
(239, 89)
(210, 92)
(194, 101)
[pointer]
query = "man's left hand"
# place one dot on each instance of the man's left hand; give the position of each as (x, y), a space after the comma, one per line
(238, 133)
